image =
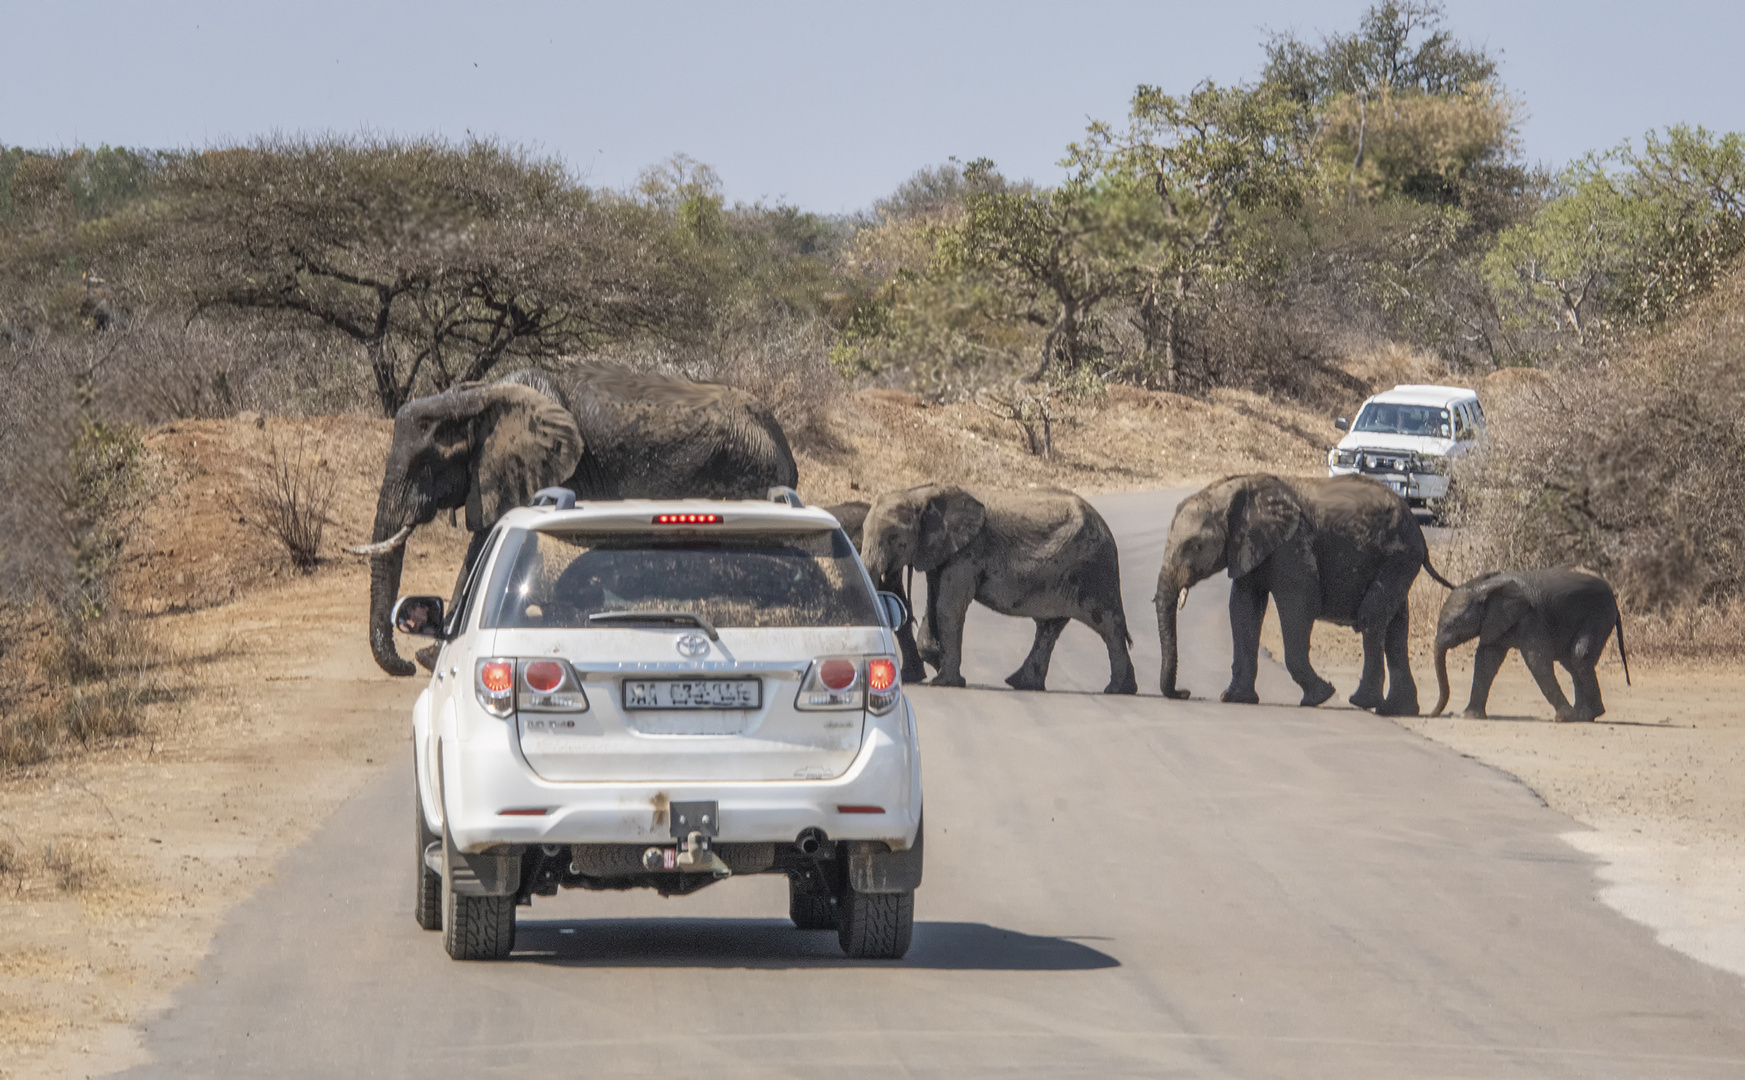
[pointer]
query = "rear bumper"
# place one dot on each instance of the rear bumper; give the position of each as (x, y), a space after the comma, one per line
(486, 775)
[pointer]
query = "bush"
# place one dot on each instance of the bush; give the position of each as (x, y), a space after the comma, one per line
(1635, 469)
(289, 501)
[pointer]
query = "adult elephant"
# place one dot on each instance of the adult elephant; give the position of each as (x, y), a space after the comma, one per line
(852, 516)
(1044, 555)
(605, 433)
(1559, 616)
(1344, 550)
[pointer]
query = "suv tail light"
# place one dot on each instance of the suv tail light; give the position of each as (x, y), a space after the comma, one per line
(550, 686)
(495, 685)
(850, 682)
(881, 684)
(504, 684)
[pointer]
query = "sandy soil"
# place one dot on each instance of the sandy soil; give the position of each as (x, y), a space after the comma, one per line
(277, 713)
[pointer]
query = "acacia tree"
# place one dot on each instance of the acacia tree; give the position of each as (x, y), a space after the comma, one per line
(1207, 158)
(439, 261)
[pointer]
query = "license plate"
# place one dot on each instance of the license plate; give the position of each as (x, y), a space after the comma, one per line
(693, 693)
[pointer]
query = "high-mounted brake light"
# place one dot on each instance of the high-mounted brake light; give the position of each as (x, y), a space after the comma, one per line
(687, 519)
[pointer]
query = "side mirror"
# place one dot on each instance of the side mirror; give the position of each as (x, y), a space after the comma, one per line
(1342, 424)
(896, 612)
(420, 616)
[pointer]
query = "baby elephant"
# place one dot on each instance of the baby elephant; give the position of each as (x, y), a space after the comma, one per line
(1564, 616)
(1043, 555)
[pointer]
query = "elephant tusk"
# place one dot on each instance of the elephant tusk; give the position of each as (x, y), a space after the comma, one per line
(385, 546)
(1183, 602)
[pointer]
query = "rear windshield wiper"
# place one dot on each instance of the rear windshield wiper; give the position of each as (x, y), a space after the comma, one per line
(657, 618)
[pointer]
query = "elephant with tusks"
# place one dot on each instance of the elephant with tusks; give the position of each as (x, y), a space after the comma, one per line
(603, 432)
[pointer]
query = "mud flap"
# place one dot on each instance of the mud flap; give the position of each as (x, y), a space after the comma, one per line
(493, 873)
(874, 868)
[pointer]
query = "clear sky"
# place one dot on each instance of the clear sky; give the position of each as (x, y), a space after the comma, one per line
(826, 105)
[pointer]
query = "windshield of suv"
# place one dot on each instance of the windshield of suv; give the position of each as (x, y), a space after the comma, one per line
(732, 579)
(1390, 419)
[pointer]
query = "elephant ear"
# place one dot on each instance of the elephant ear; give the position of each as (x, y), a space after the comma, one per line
(1263, 517)
(1505, 604)
(950, 518)
(522, 441)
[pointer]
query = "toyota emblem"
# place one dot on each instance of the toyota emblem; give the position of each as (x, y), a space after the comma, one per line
(692, 645)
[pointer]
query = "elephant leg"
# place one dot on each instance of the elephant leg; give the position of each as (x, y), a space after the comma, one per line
(1584, 658)
(1247, 611)
(948, 608)
(1402, 699)
(1033, 675)
(1546, 676)
(1368, 694)
(1113, 631)
(1485, 664)
(1297, 628)
(1589, 705)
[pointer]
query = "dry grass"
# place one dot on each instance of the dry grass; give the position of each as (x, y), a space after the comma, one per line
(84, 682)
(65, 865)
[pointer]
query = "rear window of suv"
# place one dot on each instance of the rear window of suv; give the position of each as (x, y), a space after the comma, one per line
(762, 579)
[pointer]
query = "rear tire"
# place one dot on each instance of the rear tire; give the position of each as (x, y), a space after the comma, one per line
(427, 895)
(809, 907)
(474, 927)
(875, 926)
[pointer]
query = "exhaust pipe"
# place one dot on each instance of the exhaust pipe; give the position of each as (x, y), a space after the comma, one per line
(812, 841)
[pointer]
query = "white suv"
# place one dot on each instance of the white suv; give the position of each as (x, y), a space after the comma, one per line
(1407, 437)
(663, 694)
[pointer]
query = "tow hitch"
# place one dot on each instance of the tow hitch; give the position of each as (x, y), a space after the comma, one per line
(694, 825)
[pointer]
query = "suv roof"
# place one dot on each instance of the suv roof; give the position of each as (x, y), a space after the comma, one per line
(638, 515)
(1412, 394)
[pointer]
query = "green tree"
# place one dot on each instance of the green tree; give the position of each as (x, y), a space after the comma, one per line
(1629, 239)
(1205, 160)
(1402, 47)
(1059, 252)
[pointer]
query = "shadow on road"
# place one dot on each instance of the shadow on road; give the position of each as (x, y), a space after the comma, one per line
(774, 943)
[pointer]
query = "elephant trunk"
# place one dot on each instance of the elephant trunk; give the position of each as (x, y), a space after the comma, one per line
(1441, 678)
(1167, 600)
(394, 521)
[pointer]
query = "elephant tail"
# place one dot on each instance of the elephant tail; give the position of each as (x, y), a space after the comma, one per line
(1622, 655)
(1438, 578)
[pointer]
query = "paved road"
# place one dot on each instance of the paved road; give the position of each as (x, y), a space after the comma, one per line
(1115, 887)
